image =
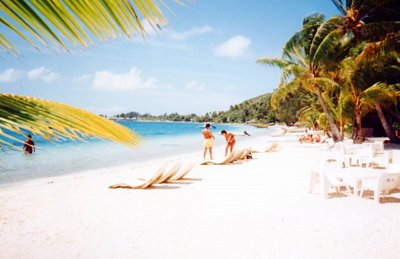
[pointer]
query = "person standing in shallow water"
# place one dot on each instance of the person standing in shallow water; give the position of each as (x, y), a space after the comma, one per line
(29, 145)
(208, 141)
(230, 141)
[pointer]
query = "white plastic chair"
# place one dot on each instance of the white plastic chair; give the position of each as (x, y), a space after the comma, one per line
(384, 183)
(327, 177)
(377, 148)
(365, 156)
(338, 147)
(314, 180)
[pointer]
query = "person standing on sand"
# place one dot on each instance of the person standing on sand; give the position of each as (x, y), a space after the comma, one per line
(29, 145)
(230, 141)
(208, 140)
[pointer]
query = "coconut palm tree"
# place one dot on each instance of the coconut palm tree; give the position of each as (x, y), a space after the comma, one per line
(308, 59)
(373, 79)
(59, 23)
(369, 20)
(365, 21)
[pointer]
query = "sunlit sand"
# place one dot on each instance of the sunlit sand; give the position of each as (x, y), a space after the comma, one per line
(255, 208)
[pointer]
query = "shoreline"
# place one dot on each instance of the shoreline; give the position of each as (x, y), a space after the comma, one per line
(218, 151)
(75, 156)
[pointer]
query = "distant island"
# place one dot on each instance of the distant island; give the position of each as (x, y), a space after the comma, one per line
(256, 111)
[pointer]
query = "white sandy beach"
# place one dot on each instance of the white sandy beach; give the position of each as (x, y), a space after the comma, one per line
(259, 208)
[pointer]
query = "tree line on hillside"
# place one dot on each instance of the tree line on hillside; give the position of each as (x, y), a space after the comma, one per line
(256, 110)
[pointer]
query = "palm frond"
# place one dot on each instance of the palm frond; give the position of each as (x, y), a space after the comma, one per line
(50, 22)
(323, 31)
(292, 43)
(283, 91)
(378, 30)
(275, 62)
(292, 71)
(299, 55)
(339, 6)
(345, 106)
(323, 82)
(309, 116)
(380, 92)
(378, 11)
(325, 51)
(21, 114)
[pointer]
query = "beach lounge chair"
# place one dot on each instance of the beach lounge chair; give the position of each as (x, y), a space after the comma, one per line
(272, 147)
(229, 159)
(139, 183)
(238, 154)
(170, 172)
(384, 183)
(181, 173)
(247, 152)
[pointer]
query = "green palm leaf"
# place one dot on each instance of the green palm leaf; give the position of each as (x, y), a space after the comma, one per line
(55, 120)
(292, 71)
(380, 92)
(78, 21)
(275, 62)
(323, 31)
(283, 91)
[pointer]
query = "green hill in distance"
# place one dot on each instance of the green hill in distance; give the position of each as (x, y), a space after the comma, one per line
(256, 111)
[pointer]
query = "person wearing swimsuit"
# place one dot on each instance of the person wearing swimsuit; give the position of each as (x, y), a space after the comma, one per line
(208, 141)
(29, 145)
(230, 141)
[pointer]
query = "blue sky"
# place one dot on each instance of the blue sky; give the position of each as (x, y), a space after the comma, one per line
(205, 60)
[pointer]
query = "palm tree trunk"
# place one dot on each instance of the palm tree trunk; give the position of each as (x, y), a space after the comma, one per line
(385, 124)
(334, 129)
(341, 128)
(359, 137)
(392, 113)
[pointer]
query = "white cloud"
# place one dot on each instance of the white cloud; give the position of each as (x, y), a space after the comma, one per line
(175, 35)
(83, 79)
(43, 74)
(233, 48)
(10, 75)
(132, 80)
(195, 86)
(36, 74)
(195, 31)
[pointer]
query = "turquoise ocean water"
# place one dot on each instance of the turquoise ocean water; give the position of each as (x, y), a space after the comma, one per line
(161, 139)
